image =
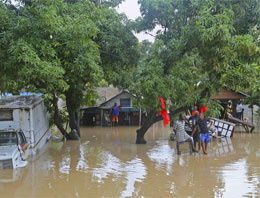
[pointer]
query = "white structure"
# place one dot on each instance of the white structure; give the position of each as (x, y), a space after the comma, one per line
(29, 114)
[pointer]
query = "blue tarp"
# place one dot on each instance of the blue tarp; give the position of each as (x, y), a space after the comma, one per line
(21, 94)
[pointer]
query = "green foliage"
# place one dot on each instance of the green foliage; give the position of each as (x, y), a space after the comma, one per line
(53, 47)
(214, 108)
(254, 91)
(108, 3)
(7, 75)
(118, 47)
(63, 114)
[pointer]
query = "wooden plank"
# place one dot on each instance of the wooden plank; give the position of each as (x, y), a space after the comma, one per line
(241, 121)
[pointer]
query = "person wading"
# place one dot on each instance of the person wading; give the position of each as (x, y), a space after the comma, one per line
(204, 132)
(181, 135)
(196, 135)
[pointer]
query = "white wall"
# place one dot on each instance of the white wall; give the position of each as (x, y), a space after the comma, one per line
(40, 122)
(23, 122)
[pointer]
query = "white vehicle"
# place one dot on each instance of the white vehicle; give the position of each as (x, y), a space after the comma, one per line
(13, 149)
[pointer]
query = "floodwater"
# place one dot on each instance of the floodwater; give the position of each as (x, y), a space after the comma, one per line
(106, 162)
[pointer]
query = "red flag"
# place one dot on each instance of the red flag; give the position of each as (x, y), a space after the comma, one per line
(162, 103)
(203, 109)
(164, 113)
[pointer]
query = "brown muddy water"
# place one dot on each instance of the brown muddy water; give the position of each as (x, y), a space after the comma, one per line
(106, 162)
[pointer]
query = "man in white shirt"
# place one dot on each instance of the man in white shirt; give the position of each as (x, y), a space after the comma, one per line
(239, 110)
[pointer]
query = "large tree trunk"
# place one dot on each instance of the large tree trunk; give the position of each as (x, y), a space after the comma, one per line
(57, 120)
(152, 118)
(73, 114)
(73, 119)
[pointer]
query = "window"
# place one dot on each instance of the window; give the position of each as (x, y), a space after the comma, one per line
(6, 115)
(22, 138)
(8, 138)
(125, 102)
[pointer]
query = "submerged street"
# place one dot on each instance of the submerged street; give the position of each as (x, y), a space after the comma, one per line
(106, 162)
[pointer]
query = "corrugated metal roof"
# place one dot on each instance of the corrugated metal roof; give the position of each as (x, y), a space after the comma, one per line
(122, 92)
(16, 102)
(106, 93)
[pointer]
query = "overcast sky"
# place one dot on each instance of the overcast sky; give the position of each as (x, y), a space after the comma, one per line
(131, 9)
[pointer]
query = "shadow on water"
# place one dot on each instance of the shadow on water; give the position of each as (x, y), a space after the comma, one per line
(107, 162)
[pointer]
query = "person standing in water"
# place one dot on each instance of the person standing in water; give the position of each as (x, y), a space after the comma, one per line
(181, 135)
(204, 132)
(115, 110)
(239, 109)
(196, 135)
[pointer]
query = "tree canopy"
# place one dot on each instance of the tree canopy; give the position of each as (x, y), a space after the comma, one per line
(202, 46)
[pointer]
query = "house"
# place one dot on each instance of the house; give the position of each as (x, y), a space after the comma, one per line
(101, 115)
(250, 119)
(29, 114)
(226, 95)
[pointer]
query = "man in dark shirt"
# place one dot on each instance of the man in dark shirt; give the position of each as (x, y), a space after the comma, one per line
(204, 132)
(196, 135)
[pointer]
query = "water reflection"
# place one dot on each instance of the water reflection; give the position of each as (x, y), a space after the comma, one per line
(82, 163)
(10, 175)
(163, 155)
(235, 176)
(110, 165)
(106, 162)
(65, 165)
(135, 172)
(222, 147)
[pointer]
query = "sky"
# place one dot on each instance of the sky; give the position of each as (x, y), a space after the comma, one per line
(131, 9)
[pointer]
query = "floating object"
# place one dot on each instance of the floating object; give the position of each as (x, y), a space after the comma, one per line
(223, 128)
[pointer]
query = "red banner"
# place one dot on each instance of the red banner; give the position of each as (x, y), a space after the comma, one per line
(164, 113)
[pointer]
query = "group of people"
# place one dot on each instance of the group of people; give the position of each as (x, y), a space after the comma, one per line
(200, 132)
(239, 109)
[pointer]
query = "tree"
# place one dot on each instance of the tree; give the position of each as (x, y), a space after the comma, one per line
(6, 74)
(55, 47)
(254, 91)
(118, 47)
(192, 56)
